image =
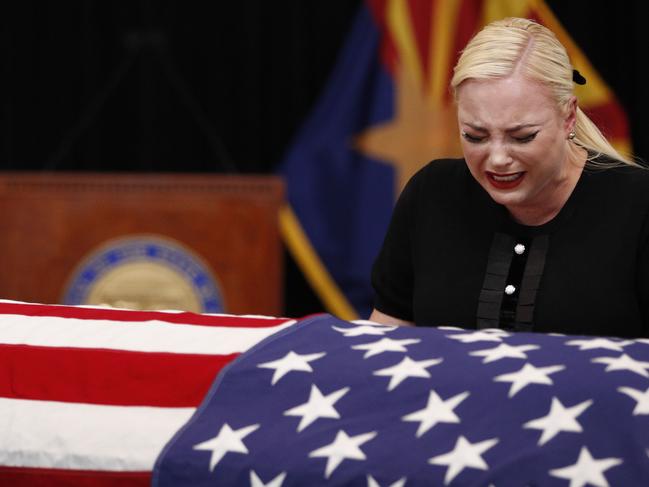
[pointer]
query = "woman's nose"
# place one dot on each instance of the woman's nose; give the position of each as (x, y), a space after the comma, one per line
(499, 157)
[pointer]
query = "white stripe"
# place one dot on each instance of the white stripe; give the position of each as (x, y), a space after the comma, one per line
(104, 307)
(148, 336)
(45, 434)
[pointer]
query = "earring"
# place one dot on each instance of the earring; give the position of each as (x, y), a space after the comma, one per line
(571, 135)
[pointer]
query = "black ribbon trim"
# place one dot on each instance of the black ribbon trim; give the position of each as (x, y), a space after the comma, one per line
(491, 295)
(578, 78)
(531, 282)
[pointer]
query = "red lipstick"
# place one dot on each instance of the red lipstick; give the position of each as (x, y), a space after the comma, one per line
(505, 181)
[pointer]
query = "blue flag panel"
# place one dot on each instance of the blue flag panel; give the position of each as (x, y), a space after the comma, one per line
(330, 402)
(342, 198)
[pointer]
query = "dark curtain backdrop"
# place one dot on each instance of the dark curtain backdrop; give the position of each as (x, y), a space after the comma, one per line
(217, 86)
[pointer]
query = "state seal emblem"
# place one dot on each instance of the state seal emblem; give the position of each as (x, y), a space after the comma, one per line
(145, 272)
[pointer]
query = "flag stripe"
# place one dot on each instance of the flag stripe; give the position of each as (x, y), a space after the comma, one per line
(468, 21)
(131, 316)
(314, 270)
(152, 336)
(94, 436)
(420, 14)
(399, 24)
(47, 477)
(444, 20)
(107, 376)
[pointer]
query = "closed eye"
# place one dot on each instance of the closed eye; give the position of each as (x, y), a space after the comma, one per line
(472, 138)
(527, 138)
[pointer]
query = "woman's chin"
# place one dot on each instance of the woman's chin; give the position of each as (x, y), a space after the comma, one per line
(507, 197)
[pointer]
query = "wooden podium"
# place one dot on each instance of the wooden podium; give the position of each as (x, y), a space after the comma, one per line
(91, 237)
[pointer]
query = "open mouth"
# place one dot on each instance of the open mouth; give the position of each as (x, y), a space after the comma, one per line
(505, 181)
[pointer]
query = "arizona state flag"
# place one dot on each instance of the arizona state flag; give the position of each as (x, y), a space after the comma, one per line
(386, 111)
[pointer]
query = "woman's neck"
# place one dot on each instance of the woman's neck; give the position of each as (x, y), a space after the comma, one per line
(539, 214)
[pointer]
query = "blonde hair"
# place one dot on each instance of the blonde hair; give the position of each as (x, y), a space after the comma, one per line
(515, 44)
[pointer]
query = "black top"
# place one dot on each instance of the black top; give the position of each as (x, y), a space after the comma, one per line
(449, 255)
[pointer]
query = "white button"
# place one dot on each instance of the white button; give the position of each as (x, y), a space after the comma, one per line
(510, 289)
(519, 249)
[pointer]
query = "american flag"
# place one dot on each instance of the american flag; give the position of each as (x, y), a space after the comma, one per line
(101, 397)
(329, 402)
(90, 396)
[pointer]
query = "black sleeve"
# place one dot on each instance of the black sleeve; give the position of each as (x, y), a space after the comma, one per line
(392, 274)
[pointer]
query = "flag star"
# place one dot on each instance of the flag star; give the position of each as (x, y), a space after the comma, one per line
(366, 329)
(255, 481)
(558, 419)
(371, 482)
(290, 362)
(595, 343)
(436, 411)
(407, 368)
(504, 351)
(496, 331)
(464, 455)
(343, 447)
(385, 345)
(528, 375)
(318, 406)
(587, 470)
(624, 362)
(478, 336)
(641, 398)
(228, 440)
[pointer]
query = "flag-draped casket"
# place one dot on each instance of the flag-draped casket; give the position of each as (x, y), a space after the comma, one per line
(93, 396)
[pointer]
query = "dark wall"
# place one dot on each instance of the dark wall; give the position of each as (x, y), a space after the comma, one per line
(157, 86)
(146, 85)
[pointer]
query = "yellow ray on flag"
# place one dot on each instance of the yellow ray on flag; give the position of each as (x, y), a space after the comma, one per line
(399, 24)
(444, 24)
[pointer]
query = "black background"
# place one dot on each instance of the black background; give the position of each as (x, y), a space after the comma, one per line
(217, 86)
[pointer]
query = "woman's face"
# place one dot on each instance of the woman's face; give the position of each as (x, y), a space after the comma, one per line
(515, 140)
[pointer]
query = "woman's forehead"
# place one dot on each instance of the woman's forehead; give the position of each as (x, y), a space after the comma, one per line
(512, 100)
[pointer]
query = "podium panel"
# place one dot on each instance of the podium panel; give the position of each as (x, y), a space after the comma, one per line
(204, 243)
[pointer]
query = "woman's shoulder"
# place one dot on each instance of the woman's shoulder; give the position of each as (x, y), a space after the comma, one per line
(619, 176)
(440, 172)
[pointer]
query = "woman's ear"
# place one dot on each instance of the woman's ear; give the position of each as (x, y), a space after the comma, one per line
(571, 115)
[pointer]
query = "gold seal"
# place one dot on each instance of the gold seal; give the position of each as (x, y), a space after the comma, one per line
(144, 285)
(145, 272)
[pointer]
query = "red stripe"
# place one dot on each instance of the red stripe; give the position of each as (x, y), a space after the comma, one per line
(388, 51)
(420, 18)
(46, 477)
(468, 24)
(107, 376)
(185, 318)
(610, 118)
